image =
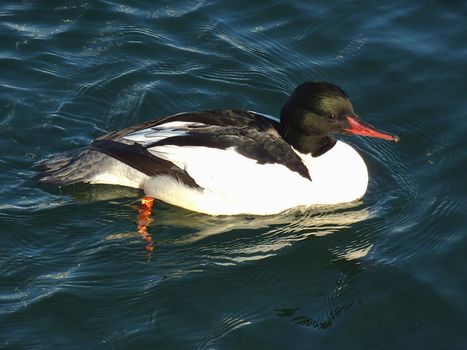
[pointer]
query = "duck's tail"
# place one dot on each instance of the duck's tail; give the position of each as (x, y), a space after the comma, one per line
(69, 167)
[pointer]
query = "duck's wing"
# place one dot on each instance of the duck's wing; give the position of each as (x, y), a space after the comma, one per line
(247, 133)
(142, 160)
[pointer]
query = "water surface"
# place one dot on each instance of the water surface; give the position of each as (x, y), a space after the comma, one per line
(387, 272)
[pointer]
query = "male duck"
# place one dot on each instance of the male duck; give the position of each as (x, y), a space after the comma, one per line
(226, 162)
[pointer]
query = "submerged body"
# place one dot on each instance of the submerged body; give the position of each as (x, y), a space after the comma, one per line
(225, 162)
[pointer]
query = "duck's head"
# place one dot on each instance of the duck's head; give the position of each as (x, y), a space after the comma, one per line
(317, 110)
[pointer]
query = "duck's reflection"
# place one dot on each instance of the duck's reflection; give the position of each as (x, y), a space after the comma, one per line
(306, 221)
(276, 231)
(322, 248)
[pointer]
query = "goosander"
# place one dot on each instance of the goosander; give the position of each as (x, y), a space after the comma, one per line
(228, 161)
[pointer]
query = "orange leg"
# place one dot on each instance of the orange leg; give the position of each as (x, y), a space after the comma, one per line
(144, 218)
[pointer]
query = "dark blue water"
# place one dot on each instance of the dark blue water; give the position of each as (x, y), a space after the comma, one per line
(384, 273)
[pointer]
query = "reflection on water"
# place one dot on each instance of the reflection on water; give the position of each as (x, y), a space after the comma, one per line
(268, 234)
(276, 231)
(314, 221)
(187, 245)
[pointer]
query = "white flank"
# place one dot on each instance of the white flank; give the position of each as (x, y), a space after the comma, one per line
(234, 184)
(114, 172)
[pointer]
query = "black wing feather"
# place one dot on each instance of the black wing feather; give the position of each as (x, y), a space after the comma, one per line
(251, 134)
(139, 158)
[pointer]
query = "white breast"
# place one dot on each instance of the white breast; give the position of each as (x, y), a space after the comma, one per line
(339, 176)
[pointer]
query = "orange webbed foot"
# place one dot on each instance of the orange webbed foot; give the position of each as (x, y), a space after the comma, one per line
(144, 218)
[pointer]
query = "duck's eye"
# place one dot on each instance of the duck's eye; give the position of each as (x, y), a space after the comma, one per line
(331, 117)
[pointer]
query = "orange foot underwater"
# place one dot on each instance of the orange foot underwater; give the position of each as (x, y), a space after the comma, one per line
(144, 218)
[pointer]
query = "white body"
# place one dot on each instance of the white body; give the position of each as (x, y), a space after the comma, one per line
(234, 184)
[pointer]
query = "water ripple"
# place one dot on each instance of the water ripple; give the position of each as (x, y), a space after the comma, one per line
(72, 259)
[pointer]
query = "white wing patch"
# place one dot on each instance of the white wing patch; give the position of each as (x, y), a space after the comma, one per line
(161, 132)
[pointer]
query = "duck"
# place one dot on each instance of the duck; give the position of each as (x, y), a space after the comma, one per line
(232, 161)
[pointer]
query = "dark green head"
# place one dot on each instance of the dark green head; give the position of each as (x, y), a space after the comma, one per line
(317, 110)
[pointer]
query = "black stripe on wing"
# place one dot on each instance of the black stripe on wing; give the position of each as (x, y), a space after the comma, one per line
(257, 139)
(139, 158)
(217, 117)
